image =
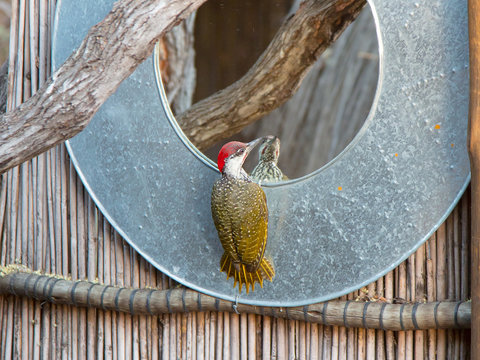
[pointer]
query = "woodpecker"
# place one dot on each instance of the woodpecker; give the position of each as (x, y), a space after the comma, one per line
(240, 214)
(267, 169)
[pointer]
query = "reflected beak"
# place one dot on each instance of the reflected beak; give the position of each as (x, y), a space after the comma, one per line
(252, 144)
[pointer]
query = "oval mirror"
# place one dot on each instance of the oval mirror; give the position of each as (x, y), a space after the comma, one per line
(330, 232)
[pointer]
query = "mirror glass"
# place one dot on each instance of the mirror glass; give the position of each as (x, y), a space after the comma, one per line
(225, 39)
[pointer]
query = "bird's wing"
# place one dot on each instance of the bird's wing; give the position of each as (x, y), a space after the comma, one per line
(222, 208)
(250, 230)
(240, 214)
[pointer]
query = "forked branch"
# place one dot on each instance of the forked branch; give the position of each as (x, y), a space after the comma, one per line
(117, 45)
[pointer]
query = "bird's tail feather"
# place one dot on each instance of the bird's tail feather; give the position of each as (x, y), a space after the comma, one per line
(243, 276)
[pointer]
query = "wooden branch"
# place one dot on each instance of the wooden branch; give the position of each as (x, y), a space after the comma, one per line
(371, 315)
(109, 54)
(275, 76)
(474, 152)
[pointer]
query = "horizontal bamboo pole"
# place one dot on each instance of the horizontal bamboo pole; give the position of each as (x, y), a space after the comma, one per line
(372, 315)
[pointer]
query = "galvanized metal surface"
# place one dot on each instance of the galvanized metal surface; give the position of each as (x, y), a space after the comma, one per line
(330, 232)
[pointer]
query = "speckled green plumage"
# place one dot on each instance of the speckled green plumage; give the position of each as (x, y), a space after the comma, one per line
(240, 214)
(267, 172)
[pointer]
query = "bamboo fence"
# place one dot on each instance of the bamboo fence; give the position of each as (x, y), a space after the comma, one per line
(50, 224)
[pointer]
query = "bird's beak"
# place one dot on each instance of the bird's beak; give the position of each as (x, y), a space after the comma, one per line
(252, 144)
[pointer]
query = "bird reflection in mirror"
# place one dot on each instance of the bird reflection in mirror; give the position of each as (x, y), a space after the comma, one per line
(267, 170)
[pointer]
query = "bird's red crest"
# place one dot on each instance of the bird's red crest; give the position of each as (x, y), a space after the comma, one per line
(227, 150)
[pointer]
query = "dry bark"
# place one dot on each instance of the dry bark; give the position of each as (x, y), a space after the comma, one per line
(275, 76)
(109, 54)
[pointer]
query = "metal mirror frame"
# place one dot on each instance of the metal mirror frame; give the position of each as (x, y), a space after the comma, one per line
(330, 232)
